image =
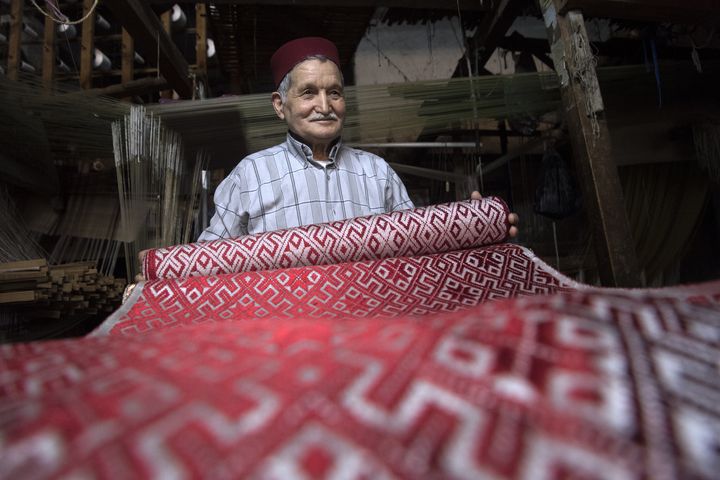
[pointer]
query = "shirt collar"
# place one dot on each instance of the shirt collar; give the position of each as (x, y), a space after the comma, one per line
(302, 150)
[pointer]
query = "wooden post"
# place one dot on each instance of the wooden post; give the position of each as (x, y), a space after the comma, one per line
(599, 180)
(16, 20)
(201, 40)
(200, 46)
(166, 21)
(127, 73)
(87, 51)
(48, 68)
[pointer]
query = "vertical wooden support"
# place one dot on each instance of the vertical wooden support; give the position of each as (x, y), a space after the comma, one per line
(201, 40)
(166, 21)
(48, 68)
(201, 58)
(599, 180)
(87, 51)
(128, 57)
(127, 54)
(16, 20)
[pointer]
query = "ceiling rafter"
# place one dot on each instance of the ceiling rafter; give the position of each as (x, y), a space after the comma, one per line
(700, 12)
(494, 26)
(490, 33)
(145, 27)
(476, 5)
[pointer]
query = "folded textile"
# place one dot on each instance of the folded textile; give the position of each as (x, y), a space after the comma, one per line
(387, 288)
(420, 231)
(381, 359)
(593, 383)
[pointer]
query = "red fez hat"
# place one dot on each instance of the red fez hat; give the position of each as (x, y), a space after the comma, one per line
(295, 51)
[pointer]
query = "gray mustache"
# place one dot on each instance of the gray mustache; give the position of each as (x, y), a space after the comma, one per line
(330, 116)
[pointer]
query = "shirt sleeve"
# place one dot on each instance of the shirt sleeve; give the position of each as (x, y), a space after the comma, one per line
(231, 218)
(396, 196)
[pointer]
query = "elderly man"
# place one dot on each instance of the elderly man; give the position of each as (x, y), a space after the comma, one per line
(312, 177)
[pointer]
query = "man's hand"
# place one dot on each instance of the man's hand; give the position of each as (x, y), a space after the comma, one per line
(141, 257)
(513, 218)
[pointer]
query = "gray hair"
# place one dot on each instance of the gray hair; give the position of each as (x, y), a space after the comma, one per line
(284, 86)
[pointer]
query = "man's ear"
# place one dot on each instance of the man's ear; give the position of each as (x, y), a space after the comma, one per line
(278, 105)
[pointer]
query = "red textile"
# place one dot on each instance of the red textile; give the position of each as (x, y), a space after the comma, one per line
(420, 231)
(385, 288)
(586, 384)
(295, 51)
(381, 368)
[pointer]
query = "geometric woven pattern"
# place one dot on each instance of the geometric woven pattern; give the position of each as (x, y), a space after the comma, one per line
(382, 288)
(420, 231)
(586, 384)
(426, 357)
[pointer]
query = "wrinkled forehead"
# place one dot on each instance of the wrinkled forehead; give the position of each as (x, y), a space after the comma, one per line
(314, 69)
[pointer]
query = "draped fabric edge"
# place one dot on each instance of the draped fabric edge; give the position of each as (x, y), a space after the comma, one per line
(107, 325)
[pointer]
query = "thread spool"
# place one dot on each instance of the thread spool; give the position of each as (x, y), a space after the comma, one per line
(210, 48)
(101, 61)
(101, 22)
(66, 30)
(27, 67)
(178, 19)
(62, 66)
(30, 31)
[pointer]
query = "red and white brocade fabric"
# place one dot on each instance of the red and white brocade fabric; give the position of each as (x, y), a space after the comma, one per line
(420, 231)
(585, 384)
(472, 361)
(385, 288)
(433, 259)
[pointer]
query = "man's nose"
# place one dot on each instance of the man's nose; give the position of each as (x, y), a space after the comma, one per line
(323, 104)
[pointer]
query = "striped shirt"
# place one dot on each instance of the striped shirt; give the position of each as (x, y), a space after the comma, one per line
(283, 187)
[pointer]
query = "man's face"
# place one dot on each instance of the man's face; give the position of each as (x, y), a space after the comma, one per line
(315, 105)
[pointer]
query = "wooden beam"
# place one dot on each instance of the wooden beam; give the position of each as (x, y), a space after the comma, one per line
(465, 5)
(48, 68)
(679, 49)
(489, 33)
(147, 30)
(14, 40)
(589, 137)
(702, 12)
(493, 27)
(87, 46)
(527, 148)
(518, 43)
(141, 86)
(431, 173)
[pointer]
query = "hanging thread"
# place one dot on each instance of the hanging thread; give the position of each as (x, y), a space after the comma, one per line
(59, 17)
